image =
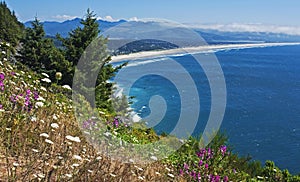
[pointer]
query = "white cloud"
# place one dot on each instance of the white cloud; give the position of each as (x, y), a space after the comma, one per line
(64, 17)
(133, 19)
(236, 27)
(108, 18)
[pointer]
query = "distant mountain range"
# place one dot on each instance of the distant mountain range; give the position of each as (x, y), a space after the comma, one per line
(63, 28)
(210, 36)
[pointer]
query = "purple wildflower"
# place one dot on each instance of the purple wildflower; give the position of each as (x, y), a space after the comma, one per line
(35, 95)
(206, 166)
(2, 76)
(225, 179)
(223, 149)
(200, 163)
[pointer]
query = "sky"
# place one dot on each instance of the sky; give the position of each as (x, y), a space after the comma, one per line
(284, 13)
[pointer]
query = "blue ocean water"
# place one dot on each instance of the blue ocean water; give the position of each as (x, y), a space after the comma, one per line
(262, 116)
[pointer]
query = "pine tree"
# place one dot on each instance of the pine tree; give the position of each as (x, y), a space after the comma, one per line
(74, 46)
(39, 53)
(11, 30)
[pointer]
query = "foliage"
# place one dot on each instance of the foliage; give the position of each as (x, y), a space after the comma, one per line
(11, 28)
(40, 54)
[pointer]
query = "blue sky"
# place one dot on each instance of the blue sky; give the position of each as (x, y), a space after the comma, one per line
(275, 12)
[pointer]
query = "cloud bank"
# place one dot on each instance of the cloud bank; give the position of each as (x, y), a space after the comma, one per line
(236, 27)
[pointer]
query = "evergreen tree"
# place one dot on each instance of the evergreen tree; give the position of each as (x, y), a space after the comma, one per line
(39, 52)
(11, 30)
(98, 62)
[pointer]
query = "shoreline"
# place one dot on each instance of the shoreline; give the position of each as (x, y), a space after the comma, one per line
(192, 50)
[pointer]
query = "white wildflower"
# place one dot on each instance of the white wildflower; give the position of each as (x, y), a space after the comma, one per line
(73, 139)
(68, 175)
(259, 177)
(43, 89)
(54, 125)
(140, 178)
(107, 134)
(45, 74)
(99, 158)
(29, 76)
(153, 158)
(113, 175)
(131, 160)
(47, 80)
(67, 87)
(2, 110)
(54, 117)
(35, 150)
(168, 169)
(39, 104)
(8, 129)
(90, 171)
(16, 164)
(4, 59)
(77, 157)
(41, 99)
(3, 52)
(171, 175)
(41, 175)
(33, 119)
(75, 165)
(49, 141)
(157, 173)
(44, 135)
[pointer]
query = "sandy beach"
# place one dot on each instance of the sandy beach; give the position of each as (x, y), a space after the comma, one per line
(193, 50)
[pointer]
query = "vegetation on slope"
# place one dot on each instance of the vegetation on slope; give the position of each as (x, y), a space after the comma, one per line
(41, 140)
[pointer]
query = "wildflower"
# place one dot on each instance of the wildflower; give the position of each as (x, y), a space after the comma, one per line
(54, 125)
(44, 135)
(200, 163)
(33, 119)
(99, 158)
(2, 76)
(157, 173)
(45, 74)
(8, 129)
(153, 158)
(39, 104)
(225, 179)
(140, 178)
(113, 175)
(41, 175)
(54, 117)
(35, 150)
(69, 175)
(206, 166)
(67, 87)
(49, 141)
(73, 139)
(58, 75)
(44, 89)
(259, 177)
(41, 99)
(16, 164)
(47, 80)
(90, 171)
(35, 95)
(171, 175)
(223, 149)
(77, 157)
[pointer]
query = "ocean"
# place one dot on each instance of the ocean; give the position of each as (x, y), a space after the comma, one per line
(262, 116)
